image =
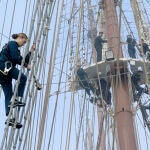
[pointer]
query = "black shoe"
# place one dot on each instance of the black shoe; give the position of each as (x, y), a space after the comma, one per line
(17, 103)
(11, 122)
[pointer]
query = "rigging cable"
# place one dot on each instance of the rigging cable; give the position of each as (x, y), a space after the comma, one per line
(83, 62)
(48, 87)
(40, 102)
(31, 74)
(56, 47)
(25, 14)
(6, 129)
(72, 95)
(47, 23)
(47, 124)
(12, 19)
(4, 22)
(63, 116)
(29, 8)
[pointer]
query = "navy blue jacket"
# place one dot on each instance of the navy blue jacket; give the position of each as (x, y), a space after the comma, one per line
(10, 52)
(98, 42)
(145, 48)
(131, 42)
(136, 78)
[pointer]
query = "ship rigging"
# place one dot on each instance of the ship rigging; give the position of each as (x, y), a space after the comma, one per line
(59, 111)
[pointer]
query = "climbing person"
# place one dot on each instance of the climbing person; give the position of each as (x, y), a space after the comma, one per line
(131, 46)
(104, 89)
(145, 49)
(136, 80)
(98, 43)
(10, 57)
(85, 83)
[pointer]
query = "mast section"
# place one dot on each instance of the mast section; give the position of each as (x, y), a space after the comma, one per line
(123, 113)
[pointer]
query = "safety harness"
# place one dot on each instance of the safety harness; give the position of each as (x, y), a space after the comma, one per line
(8, 67)
(8, 64)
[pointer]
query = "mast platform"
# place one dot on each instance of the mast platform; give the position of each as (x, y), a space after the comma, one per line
(103, 67)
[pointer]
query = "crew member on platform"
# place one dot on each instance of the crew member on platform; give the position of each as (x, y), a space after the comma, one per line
(104, 89)
(85, 82)
(131, 46)
(9, 58)
(98, 43)
(145, 48)
(138, 83)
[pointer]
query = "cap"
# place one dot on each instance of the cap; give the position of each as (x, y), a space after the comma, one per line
(140, 69)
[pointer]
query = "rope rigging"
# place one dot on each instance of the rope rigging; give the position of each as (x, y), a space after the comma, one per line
(3, 22)
(58, 112)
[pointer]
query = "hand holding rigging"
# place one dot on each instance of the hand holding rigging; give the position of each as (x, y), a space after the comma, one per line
(33, 47)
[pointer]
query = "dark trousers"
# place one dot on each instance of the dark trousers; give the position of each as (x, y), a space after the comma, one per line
(7, 87)
(99, 54)
(87, 86)
(131, 51)
(104, 91)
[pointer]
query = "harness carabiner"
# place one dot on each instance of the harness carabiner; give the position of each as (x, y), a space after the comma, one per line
(8, 67)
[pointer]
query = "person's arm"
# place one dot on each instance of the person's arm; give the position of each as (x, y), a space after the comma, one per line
(27, 58)
(16, 58)
(104, 41)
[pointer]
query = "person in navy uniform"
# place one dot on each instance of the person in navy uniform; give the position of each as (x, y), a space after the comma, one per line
(145, 49)
(137, 81)
(10, 57)
(131, 46)
(98, 43)
(84, 82)
(104, 89)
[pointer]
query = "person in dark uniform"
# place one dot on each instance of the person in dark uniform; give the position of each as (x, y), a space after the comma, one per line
(136, 81)
(98, 43)
(84, 82)
(131, 46)
(9, 58)
(104, 90)
(145, 49)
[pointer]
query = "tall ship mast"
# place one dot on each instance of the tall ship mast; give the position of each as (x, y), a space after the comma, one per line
(88, 86)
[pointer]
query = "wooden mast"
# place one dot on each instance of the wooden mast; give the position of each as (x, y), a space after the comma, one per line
(123, 113)
(101, 136)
